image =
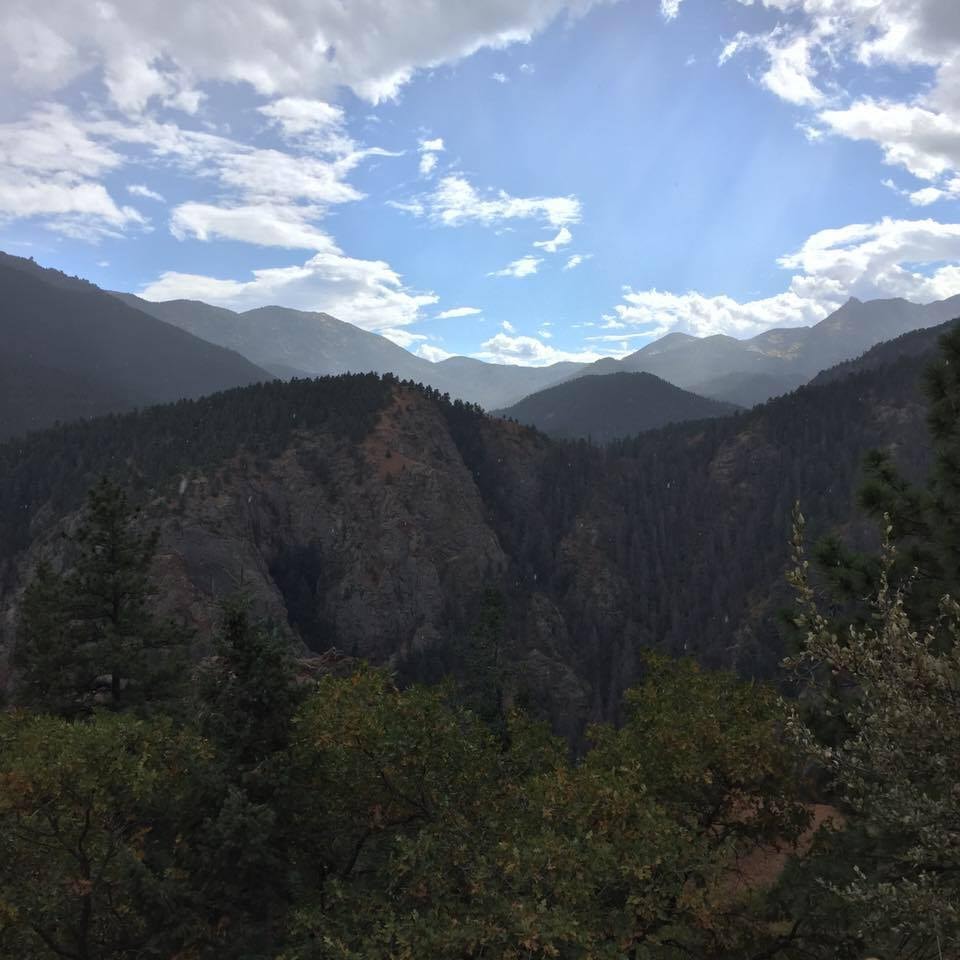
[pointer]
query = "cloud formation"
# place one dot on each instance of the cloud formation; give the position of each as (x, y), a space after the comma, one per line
(913, 259)
(817, 39)
(428, 155)
(524, 267)
(162, 53)
(529, 351)
(560, 240)
(368, 293)
(455, 202)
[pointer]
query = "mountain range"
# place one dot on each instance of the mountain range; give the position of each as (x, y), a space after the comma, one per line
(742, 372)
(747, 372)
(372, 516)
(73, 350)
(296, 343)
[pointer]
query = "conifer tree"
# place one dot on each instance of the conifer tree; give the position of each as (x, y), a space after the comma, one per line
(90, 636)
(923, 522)
(246, 699)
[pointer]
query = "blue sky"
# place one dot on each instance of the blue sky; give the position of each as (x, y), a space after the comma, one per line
(519, 180)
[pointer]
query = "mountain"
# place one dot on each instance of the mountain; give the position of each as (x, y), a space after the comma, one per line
(487, 383)
(777, 361)
(299, 343)
(372, 516)
(914, 344)
(71, 350)
(743, 372)
(616, 405)
(749, 389)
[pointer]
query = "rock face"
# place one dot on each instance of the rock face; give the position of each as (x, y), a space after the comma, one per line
(379, 550)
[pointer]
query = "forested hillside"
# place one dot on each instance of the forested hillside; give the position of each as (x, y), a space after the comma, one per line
(256, 804)
(604, 408)
(71, 351)
(372, 516)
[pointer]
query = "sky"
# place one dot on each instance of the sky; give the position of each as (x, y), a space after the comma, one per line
(522, 181)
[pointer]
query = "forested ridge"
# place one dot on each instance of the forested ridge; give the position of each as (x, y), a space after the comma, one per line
(675, 539)
(606, 407)
(250, 804)
(72, 351)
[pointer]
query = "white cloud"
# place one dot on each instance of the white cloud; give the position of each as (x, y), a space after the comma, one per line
(428, 156)
(52, 164)
(50, 169)
(498, 77)
(455, 201)
(458, 312)
(149, 52)
(670, 8)
(531, 352)
(69, 204)
(51, 140)
(141, 190)
(432, 353)
(914, 259)
(507, 326)
(575, 261)
(401, 337)
(527, 68)
(524, 267)
(262, 224)
(414, 207)
(790, 72)
(560, 240)
(817, 40)
(298, 116)
(923, 141)
(950, 190)
(367, 293)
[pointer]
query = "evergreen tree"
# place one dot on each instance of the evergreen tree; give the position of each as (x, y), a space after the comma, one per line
(90, 636)
(484, 686)
(924, 522)
(889, 881)
(244, 867)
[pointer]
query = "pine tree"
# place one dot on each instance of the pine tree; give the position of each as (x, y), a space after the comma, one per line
(90, 636)
(246, 699)
(923, 522)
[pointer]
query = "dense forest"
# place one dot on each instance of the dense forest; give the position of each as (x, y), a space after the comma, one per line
(372, 516)
(250, 804)
(612, 406)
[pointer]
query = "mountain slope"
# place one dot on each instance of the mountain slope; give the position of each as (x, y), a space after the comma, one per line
(749, 389)
(616, 405)
(913, 344)
(774, 362)
(371, 516)
(70, 350)
(299, 343)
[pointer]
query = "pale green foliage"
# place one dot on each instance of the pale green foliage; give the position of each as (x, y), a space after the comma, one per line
(898, 767)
